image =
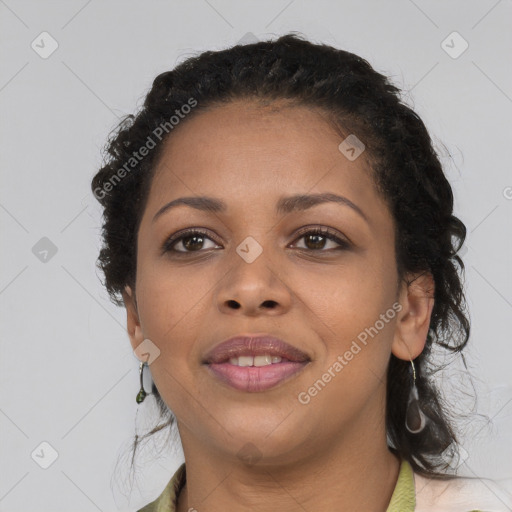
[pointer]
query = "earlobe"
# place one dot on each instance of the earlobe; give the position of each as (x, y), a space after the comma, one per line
(413, 322)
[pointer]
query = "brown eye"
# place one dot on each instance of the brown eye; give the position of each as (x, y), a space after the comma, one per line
(187, 242)
(317, 239)
(192, 242)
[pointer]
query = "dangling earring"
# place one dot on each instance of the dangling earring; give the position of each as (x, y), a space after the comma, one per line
(142, 393)
(415, 420)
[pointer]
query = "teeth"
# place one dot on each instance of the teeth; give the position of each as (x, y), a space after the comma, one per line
(245, 361)
(263, 360)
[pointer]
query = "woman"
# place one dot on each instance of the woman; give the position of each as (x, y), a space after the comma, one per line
(280, 230)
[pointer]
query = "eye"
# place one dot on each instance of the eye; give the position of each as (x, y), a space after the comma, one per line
(193, 240)
(316, 239)
(188, 241)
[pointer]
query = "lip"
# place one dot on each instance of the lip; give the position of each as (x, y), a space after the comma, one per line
(254, 345)
(255, 378)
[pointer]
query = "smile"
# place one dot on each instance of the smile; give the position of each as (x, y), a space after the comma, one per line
(252, 362)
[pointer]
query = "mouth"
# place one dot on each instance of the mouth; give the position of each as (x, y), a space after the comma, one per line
(255, 363)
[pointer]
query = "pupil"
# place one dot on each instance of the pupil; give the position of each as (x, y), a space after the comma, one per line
(317, 245)
(192, 237)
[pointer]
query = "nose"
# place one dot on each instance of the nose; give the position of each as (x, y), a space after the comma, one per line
(254, 288)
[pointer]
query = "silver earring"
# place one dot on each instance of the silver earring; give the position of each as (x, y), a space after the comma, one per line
(415, 420)
(142, 393)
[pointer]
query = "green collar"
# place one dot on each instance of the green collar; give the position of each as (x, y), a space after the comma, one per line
(402, 500)
(166, 502)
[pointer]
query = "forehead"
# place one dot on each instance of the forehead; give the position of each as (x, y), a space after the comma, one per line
(244, 130)
(244, 152)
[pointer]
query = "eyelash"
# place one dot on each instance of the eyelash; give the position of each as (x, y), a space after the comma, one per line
(188, 233)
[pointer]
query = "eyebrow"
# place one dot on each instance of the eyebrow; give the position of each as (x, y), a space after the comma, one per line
(299, 202)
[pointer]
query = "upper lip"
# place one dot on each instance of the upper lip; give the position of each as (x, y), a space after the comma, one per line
(254, 345)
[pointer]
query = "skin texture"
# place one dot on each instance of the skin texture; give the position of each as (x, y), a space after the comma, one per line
(333, 450)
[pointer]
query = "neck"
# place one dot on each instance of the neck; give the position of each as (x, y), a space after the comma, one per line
(344, 476)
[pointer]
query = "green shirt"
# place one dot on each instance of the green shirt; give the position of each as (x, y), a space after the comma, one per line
(402, 499)
(412, 492)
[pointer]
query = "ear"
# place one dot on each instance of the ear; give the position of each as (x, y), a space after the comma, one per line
(417, 299)
(132, 318)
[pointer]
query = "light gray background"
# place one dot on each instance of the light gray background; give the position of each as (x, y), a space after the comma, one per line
(68, 376)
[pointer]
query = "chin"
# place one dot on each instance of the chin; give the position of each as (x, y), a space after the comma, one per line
(256, 437)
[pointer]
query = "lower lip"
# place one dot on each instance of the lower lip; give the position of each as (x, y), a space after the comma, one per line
(255, 378)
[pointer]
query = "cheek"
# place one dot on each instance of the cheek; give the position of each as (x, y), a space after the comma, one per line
(170, 291)
(171, 306)
(344, 297)
(344, 305)
(346, 311)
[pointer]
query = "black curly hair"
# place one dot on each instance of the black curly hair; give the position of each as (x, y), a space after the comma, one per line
(403, 163)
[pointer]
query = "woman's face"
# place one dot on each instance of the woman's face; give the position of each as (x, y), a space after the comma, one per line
(315, 293)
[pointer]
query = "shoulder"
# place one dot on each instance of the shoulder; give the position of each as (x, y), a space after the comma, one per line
(462, 494)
